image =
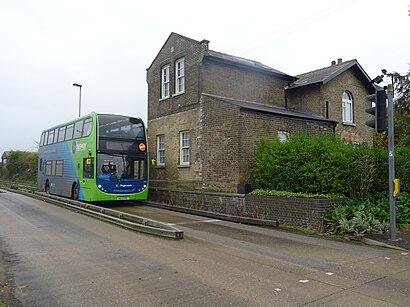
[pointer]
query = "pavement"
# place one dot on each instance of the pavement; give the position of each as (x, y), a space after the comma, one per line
(402, 236)
(402, 239)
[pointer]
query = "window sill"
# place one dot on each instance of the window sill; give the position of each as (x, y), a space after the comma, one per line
(159, 166)
(165, 98)
(184, 166)
(178, 94)
(349, 124)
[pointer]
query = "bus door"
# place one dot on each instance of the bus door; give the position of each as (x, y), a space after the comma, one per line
(88, 180)
(41, 175)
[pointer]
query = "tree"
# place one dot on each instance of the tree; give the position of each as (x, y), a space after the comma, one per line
(22, 166)
(402, 89)
(402, 109)
(401, 113)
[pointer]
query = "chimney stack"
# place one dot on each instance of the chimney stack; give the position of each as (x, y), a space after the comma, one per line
(204, 47)
(339, 61)
(333, 63)
(204, 43)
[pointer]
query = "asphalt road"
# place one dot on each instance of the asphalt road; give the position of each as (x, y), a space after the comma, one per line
(62, 258)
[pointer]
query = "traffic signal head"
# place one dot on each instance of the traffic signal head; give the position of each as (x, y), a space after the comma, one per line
(378, 110)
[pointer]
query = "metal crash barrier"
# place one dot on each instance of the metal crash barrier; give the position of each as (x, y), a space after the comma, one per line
(130, 221)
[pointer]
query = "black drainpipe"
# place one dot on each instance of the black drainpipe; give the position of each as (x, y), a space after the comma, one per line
(327, 109)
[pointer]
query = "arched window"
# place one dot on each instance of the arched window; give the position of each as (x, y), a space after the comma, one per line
(347, 107)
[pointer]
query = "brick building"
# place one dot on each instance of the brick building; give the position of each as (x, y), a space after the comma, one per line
(336, 92)
(206, 110)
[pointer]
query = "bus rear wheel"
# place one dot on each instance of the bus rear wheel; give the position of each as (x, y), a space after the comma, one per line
(75, 192)
(47, 187)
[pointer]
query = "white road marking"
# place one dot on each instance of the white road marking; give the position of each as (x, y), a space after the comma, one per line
(211, 221)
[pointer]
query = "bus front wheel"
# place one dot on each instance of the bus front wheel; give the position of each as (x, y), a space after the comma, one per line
(75, 192)
(47, 187)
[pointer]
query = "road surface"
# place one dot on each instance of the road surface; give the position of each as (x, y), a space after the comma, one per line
(62, 258)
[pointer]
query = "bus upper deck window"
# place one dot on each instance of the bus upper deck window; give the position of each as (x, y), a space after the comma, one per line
(50, 137)
(88, 125)
(78, 129)
(61, 134)
(69, 132)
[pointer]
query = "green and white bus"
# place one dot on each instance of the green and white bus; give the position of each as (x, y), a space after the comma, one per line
(97, 157)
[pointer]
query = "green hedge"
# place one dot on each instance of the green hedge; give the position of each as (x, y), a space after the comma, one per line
(325, 164)
(21, 166)
(293, 194)
(402, 165)
(380, 182)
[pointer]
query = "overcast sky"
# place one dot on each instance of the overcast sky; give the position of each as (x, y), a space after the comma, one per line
(47, 45)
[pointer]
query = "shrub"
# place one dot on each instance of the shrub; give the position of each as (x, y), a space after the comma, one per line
(21, 166)
(402, 165)
(323, 164)
(293, 194)
(370, 213)
(380, 181)
(360, 225)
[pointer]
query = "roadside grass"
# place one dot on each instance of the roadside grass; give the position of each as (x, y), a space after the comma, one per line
(321, 234)
(8, 184)
(310, 232)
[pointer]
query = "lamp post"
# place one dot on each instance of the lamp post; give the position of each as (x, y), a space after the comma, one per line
(79, 102)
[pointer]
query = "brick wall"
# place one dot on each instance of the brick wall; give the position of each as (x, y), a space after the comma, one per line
(333, 91)
(221, 142)
(313, 98)
(228, 140)
(175, 47)
(306, 98)
(241, 83)
(303, 212)
(172, 174)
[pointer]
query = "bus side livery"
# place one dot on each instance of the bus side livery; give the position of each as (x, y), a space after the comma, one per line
(97, 157)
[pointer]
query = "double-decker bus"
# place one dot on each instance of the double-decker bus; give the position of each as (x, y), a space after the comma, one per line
(97, 157)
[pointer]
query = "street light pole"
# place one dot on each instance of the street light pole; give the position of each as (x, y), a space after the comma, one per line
(79, 102)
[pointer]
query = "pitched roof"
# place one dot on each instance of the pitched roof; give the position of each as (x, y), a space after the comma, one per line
(166, 41)
(229, 59)
(5, 155)
(238, 61)
(265, 108)
(324, 75)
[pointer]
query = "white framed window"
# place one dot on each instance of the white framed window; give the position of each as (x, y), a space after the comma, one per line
(165, 81)
(283, 136)
(184, 140)
(347, 107)
(180, 76)
(161, 150)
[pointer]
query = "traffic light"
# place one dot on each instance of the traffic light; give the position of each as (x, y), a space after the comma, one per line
(379, 110)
